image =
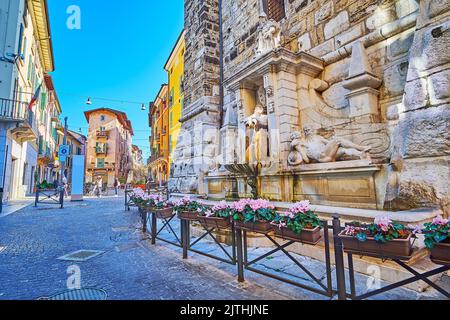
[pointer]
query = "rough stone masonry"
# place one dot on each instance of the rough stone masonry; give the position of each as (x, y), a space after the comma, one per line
(396, 100)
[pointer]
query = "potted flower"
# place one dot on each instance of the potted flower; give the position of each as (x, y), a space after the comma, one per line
(138, 197)
(437, 239)
(253, 215)
(216, 217)
(300, 224)
(160, 206)
(382, 238)
(188, 209)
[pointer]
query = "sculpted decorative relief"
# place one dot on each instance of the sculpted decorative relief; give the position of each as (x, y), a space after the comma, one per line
(315, 148)
(269, 37)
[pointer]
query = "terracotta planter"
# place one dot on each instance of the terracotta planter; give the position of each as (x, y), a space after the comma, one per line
(215, 222)
(165, 213)
(398, 248)
(259, 226)
(309, 236)
(440, 253)
(187, 215)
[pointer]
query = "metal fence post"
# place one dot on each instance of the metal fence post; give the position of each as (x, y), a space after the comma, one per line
(144, 221)
(339, 259)
(240, 258)
(154, 227)
(36, 198)
(185, 237)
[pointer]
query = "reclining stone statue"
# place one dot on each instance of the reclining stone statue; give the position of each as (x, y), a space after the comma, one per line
(315, 148)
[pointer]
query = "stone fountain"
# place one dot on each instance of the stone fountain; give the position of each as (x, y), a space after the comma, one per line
(248, 171)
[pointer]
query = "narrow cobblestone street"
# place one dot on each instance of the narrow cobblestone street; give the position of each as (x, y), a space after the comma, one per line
(32, 240)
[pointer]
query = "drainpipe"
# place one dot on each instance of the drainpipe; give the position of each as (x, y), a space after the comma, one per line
(380, 34)
(221, 91)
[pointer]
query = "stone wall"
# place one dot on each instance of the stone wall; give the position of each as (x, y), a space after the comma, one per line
(201, 115)
(405, 44)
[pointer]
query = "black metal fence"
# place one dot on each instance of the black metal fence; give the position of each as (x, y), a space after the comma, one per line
(239, 256)
(49, 196)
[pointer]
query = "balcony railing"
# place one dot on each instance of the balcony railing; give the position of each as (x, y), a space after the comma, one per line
(13, 110)
(158, 154)
(103, 134)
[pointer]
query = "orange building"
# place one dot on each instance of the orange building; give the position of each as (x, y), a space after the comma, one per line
(109, 147)
(159, 139)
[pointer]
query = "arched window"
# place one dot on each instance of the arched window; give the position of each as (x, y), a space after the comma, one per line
(274, 9)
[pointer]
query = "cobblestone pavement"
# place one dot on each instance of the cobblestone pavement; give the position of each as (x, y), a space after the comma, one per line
(32, 240)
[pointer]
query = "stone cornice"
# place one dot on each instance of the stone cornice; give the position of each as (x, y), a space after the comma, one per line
(277, 60)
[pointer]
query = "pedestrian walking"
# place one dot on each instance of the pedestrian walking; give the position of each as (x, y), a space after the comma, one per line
(116, 187)
(65, 186)
(98, 187)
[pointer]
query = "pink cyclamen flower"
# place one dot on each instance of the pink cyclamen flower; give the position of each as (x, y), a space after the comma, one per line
(439, 220)
(384, 222)
(301, 207)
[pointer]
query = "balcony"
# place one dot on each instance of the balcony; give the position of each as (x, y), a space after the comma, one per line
(102, 134)
(158, 154)
(16, 112)
(13, 110)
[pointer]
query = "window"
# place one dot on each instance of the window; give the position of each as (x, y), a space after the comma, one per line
(102, 118)
(24, 49)
(20, 47)
(30, 66)
(275, 9)
(171, 96)
(100, 163)
(181, 85)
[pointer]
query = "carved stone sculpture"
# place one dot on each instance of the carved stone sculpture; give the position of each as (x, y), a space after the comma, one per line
(269, 37)
(258, 121)
(315, 148)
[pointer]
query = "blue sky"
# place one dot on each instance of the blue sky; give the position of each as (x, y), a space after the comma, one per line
(118, 54)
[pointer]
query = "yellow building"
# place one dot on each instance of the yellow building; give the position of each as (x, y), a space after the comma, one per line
(175, 69)
(159, 140)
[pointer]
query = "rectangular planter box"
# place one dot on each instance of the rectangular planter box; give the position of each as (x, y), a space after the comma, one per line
(187, 215)
(440, 253)
(309, 236)
(215, 222)
(259, 226)
(398, 248)
(164, 213)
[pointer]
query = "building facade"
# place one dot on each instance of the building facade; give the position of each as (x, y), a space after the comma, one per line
(109, 146)
(175, 71)
(344, 103)
(159, 140)
(50, 132)
(26, 59)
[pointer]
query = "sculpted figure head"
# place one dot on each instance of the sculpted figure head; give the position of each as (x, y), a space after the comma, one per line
(308, 131)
